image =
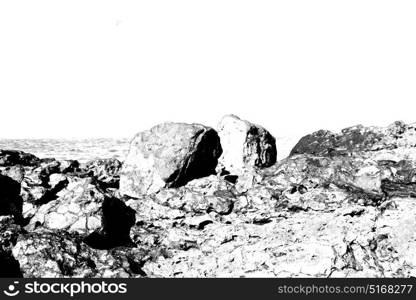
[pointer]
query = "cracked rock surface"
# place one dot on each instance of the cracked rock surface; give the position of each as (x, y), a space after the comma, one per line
(169, 155)
(341, 205)
(245, 145)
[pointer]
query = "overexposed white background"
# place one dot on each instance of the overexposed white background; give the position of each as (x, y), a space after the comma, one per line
(112, 68)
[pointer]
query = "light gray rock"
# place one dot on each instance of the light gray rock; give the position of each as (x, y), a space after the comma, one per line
(245, 145)
(169, 155)
(76, 208)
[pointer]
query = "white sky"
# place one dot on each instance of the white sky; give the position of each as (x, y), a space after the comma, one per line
(113, 68)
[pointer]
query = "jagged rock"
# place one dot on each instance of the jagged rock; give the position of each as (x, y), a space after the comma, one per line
(357, 139)
(403, 171)
(41, 183)
(58, 181)
(353, 174)
(200, 196)
(62, 254)
(398, 178)
(47, 169)
(385, 157)
(245, 145)
(84, 209)
(39, 176)
(169, 155)
(394, 244)
(394, 189)
(105, 171)
(77, 208)
(300, 244)
(342, 205)
(44, 191)
(15, 157)
(207, 185)
(9, 232)
(69, 166)
(247, 180)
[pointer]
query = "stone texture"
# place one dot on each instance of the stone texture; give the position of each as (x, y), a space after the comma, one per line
(76, 208)
(84, 209)
(104, 171)
(169, 155)
(9, 233)
(61, 254)
(15, 157)
(358, 139)
(245, 145)
(342, 205)
(11, 202)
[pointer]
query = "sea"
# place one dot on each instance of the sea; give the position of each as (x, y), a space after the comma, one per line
(88, 149)
(80, 149)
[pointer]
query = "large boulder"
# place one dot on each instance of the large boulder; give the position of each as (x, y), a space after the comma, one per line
(245, 144)
(169, 155)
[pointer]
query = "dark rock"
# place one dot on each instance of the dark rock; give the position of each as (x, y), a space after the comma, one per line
(57, 182)
(395, 189)
(350, 140)
(41, 185)
(231, 178)
(14, 157)
(169, 155)
(117, 219)
(10, 267)
(10, 201)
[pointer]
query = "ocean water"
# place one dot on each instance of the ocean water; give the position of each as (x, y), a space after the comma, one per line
(88, 149)
(79, 149)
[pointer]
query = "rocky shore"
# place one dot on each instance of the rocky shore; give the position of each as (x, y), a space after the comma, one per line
(194, 201)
